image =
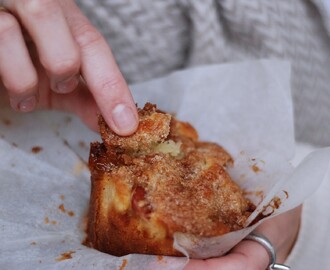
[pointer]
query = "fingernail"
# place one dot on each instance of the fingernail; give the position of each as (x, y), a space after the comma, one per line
(28, 104)
(124, 118)
(67, 85)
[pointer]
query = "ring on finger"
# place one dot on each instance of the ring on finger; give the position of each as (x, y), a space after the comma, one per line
(262, 240)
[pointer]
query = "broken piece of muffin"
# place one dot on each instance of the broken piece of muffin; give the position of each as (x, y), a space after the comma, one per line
(158, 181)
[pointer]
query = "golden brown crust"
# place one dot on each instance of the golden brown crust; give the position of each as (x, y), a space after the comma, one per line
(146, 187)
(153, 128)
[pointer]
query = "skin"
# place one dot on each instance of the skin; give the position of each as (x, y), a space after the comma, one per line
(57, 55)
(64, 63)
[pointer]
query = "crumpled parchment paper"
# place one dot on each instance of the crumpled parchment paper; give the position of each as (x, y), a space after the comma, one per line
(45, 183)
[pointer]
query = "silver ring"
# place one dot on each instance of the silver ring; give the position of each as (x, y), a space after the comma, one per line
(262, 240)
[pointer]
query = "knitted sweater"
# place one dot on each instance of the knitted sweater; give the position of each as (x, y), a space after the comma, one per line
(151, 38)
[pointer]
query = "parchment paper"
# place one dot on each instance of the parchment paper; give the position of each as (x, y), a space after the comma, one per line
(45, 185)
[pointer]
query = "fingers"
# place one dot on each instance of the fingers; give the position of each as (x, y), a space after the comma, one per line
(102, 75)
(16, 69)
(282, 231)
(67, 45)
(252, 253)
(58, 52)
(79, 102)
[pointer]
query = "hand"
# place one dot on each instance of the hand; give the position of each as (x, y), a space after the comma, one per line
(45, 45)
(281, 230)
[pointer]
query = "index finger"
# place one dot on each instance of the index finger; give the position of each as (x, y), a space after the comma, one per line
(102, 74)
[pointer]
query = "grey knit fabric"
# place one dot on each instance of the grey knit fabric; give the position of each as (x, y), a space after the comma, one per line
(151, 38)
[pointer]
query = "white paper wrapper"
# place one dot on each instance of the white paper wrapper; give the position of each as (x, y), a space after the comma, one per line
(45, 183)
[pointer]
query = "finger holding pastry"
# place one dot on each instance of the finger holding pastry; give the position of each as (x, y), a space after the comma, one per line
(55, 50)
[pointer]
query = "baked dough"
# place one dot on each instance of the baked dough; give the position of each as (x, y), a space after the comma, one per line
(158, 181)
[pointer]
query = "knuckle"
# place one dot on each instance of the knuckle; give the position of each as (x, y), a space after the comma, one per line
(87, 35)
(63, 67)
(19, 87)
(8, 23)
(113, 84)
(38, 8)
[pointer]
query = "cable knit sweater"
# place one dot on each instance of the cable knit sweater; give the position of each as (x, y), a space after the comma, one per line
(151, 38)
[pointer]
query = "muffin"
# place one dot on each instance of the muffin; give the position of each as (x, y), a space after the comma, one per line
(156, 182)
